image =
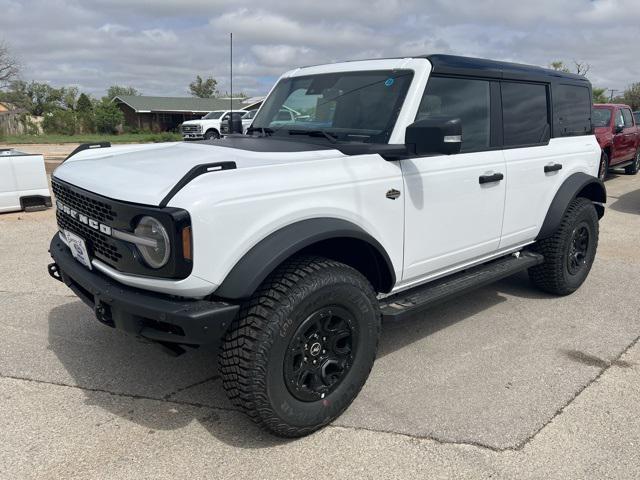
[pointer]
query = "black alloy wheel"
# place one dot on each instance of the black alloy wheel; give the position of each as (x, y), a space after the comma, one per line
(320, 353)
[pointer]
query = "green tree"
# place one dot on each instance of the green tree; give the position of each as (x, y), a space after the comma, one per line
(119, 91)
(37, 98)
(559, 66)
(84, 103)
(204, 88)
(631, 96)
(599, 95)
(107, 116)
(70, 97)
(579, 68)
(60, 121)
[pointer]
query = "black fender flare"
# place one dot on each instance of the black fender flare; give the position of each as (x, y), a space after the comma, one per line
(263, 258)
(576, 185)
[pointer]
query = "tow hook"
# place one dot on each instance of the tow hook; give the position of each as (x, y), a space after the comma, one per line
(54, 271)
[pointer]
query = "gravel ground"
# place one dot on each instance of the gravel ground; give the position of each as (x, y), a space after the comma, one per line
(505, 382)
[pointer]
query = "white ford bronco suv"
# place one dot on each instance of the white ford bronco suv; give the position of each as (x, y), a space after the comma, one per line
(402, 183)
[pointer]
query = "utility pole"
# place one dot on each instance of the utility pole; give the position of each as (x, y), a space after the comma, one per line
(612, 92)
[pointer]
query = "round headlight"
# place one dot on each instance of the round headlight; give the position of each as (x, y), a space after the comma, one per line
(156, 251)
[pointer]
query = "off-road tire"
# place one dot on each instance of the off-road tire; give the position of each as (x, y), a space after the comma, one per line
(211, 135)
(553, 275)
(252, 355)
(635, 166)
(603, 166)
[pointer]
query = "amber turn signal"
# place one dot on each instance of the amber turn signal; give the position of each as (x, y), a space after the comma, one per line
(186, 243)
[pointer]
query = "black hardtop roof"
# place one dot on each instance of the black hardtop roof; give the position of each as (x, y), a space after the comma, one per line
(469, 66)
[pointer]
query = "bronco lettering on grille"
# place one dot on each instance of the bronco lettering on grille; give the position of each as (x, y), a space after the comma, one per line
(82, 218)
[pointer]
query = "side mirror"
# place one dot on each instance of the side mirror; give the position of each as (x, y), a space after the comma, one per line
(434, 135)
(235, 124)
(618, 128)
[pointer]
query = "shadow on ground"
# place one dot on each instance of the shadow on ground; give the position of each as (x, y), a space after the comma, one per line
(627, 203)
(187, 388)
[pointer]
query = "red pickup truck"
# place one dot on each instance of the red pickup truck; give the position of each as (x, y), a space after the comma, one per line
(618, 136)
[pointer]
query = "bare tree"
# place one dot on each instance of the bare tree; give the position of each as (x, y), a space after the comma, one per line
(582, 68)
(9, 67)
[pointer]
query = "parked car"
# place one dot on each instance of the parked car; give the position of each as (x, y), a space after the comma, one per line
(636, 117)
(619, 137)
(23, 181)
(399, 189)
(208, 127)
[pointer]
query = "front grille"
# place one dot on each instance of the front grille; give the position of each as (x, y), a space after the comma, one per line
(100, 245)
(101, 211)
(191, 129)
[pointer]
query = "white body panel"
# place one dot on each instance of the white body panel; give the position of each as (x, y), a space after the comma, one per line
(444, 220)
(21, 175)
(530, 190)
(450, 218)
(207, 124)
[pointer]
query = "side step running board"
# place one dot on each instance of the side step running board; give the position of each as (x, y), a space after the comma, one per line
(406, 303)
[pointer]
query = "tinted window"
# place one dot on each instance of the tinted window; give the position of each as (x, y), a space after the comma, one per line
(573, 109)
(468, 100)
(524, 113)
(601, 117)
(628, 120)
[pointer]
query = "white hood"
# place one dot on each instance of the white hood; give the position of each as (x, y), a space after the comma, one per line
(146, 173)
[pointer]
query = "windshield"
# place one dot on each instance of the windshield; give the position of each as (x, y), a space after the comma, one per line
(352, 106)
(212, 116)
(601, 117)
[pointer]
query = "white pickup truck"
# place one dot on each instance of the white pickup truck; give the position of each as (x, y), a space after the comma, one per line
(23, 181)
(397, 184)
(211, 126)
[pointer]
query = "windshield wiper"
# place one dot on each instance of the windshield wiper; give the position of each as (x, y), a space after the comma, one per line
(266, 131)
(315, 133)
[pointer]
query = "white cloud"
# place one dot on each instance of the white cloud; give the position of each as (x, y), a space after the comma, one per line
(159, 46)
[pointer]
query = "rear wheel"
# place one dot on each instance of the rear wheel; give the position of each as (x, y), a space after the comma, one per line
(569, 252)
(635, 166)
(603, 170)
(302, 347)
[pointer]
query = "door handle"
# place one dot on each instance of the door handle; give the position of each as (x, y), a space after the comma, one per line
(552, 168)
(496, 177)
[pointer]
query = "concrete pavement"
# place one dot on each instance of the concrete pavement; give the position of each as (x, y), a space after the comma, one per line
(505, 382)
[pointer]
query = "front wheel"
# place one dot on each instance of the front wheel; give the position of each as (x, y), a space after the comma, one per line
(569, 253)
(635, 166)
(302, 347)
(211, 134)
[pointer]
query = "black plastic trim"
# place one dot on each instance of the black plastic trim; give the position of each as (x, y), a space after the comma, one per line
(572, 186)
(155, 316)
(87, 146)
(247, 275)
(193, 173)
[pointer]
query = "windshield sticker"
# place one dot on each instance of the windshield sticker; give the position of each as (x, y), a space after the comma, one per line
(389, 82)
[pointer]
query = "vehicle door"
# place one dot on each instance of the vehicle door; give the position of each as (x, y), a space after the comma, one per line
(537, 165)
(9, 196)
(454, 203)
(630, 133)
(620, 150)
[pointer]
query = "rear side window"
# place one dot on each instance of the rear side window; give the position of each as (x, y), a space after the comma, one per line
(466, 99)
(525, 113)
(601, 117)
(573, 110)
(628, 119)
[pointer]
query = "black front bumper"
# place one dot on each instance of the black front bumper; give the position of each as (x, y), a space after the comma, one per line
(158, 317)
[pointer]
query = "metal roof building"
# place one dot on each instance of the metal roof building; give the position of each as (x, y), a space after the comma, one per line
(167, 113)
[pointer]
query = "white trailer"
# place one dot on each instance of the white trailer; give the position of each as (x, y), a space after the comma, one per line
(23, 182)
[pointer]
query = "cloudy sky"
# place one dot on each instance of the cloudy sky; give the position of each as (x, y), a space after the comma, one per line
(159, 46)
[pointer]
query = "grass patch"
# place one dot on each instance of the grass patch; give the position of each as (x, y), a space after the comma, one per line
(91, 138)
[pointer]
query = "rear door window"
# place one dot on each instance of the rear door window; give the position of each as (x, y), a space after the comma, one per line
(573, 110)
(525, 114)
